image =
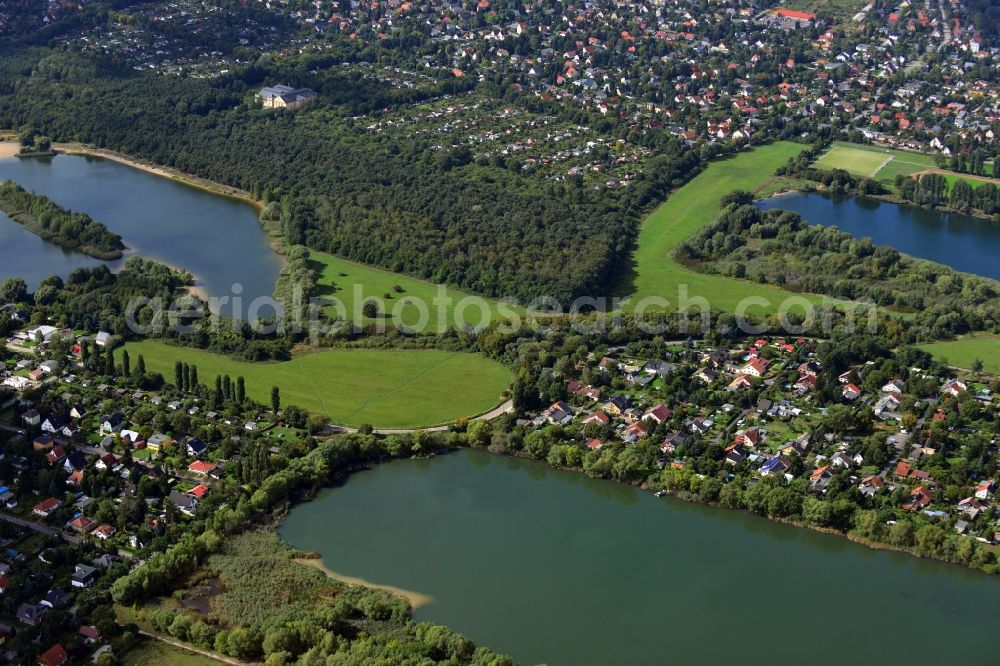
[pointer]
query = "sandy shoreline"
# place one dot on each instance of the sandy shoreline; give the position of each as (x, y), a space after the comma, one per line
(163, 172)
(416, 599)
(9, 149)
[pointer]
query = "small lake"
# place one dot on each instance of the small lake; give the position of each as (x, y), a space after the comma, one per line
(553, 567)
(965, 243)
(216, 238)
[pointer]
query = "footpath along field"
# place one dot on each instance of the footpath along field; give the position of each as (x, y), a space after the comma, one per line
(655, 273)
(962, 352)
(384, 388)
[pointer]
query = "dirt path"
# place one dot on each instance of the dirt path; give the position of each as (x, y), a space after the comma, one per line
(190, 648)
(967, 176)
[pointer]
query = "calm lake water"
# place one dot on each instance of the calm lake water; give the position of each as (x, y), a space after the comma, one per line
(554, 567)
(218, 239)
(963, 242)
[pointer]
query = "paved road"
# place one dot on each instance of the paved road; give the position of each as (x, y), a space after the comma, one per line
(39, 527)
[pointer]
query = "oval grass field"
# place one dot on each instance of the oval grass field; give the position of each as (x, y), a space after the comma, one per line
(384, 388)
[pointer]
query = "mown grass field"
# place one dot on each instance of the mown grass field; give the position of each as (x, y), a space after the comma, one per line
(857, 160)
(962, 352)
(155, 653)
(384, 388)
(352, 284)
(657, 274)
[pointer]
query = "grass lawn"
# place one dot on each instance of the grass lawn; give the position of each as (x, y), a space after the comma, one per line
(388, 389)
(352, 284)
(654, 271)
(962, 352)
(883, 164)
(154, 653)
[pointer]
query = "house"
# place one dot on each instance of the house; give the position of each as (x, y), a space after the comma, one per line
(107, 461)
(593, 443)
(558, 412)
(53, 424)
(851, 392)
(90, 634)
(105, 531)
(749, 437)
(32, 614)
(809, 369)
(894, 386)
(158, 442)
(187, 504)
(49, 367)
(43, 443)
(984, 489)
(969, 506)
(741, 383)
(805, 383)
(16, 382)
(659, 414)
(870, 485)
(4, 583)
(764, 406)
(842, 459)
(47, 507)
(112, 423)
(735, 455)
(706, 375)
(755, 367)
(56, 598)
(81, 524)
(846, 376)
(774, 465)
(820, 479)
(102, 339)
(920, 498)
(31, 417)
(83, 575)
(599, 418)
(672, 440)
(199, 491)
(76, 460)
(201, 467)
(701, 425)
(634, 432)
(617, 404)
(285, 97)
(195, 447)
(954, 388)
(54, 656)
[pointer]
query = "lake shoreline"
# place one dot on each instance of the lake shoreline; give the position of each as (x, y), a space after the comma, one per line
(415, 599)
(170, 173)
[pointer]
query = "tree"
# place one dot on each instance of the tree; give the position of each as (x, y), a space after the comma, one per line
(179, 375)
(275, 400)
(126, 364)
(977, 366)
(13, 290)
(241, 390)
(140, 367)
(370, 309)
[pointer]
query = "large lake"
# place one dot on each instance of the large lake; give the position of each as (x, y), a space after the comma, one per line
(963, 242)
(551, 566)
(218, 239)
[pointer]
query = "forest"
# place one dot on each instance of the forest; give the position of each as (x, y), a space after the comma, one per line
(406, 205)
(778, 247)
(44, 218)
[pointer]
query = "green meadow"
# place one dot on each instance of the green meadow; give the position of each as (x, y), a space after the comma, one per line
(351, 284)
(963, 352)
(655, 273)
(385, 388)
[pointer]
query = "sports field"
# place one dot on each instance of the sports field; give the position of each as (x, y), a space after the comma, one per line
(401, 299)
(884, 164)
(656, 274)
(387, 389)
(963, 352)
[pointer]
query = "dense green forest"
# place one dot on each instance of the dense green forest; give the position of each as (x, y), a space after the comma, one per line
(45, 218)
(778, 247)
(405, 205)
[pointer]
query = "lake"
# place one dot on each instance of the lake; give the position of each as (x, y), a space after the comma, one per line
(963, 242)
(550, 566)
(216, 238)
